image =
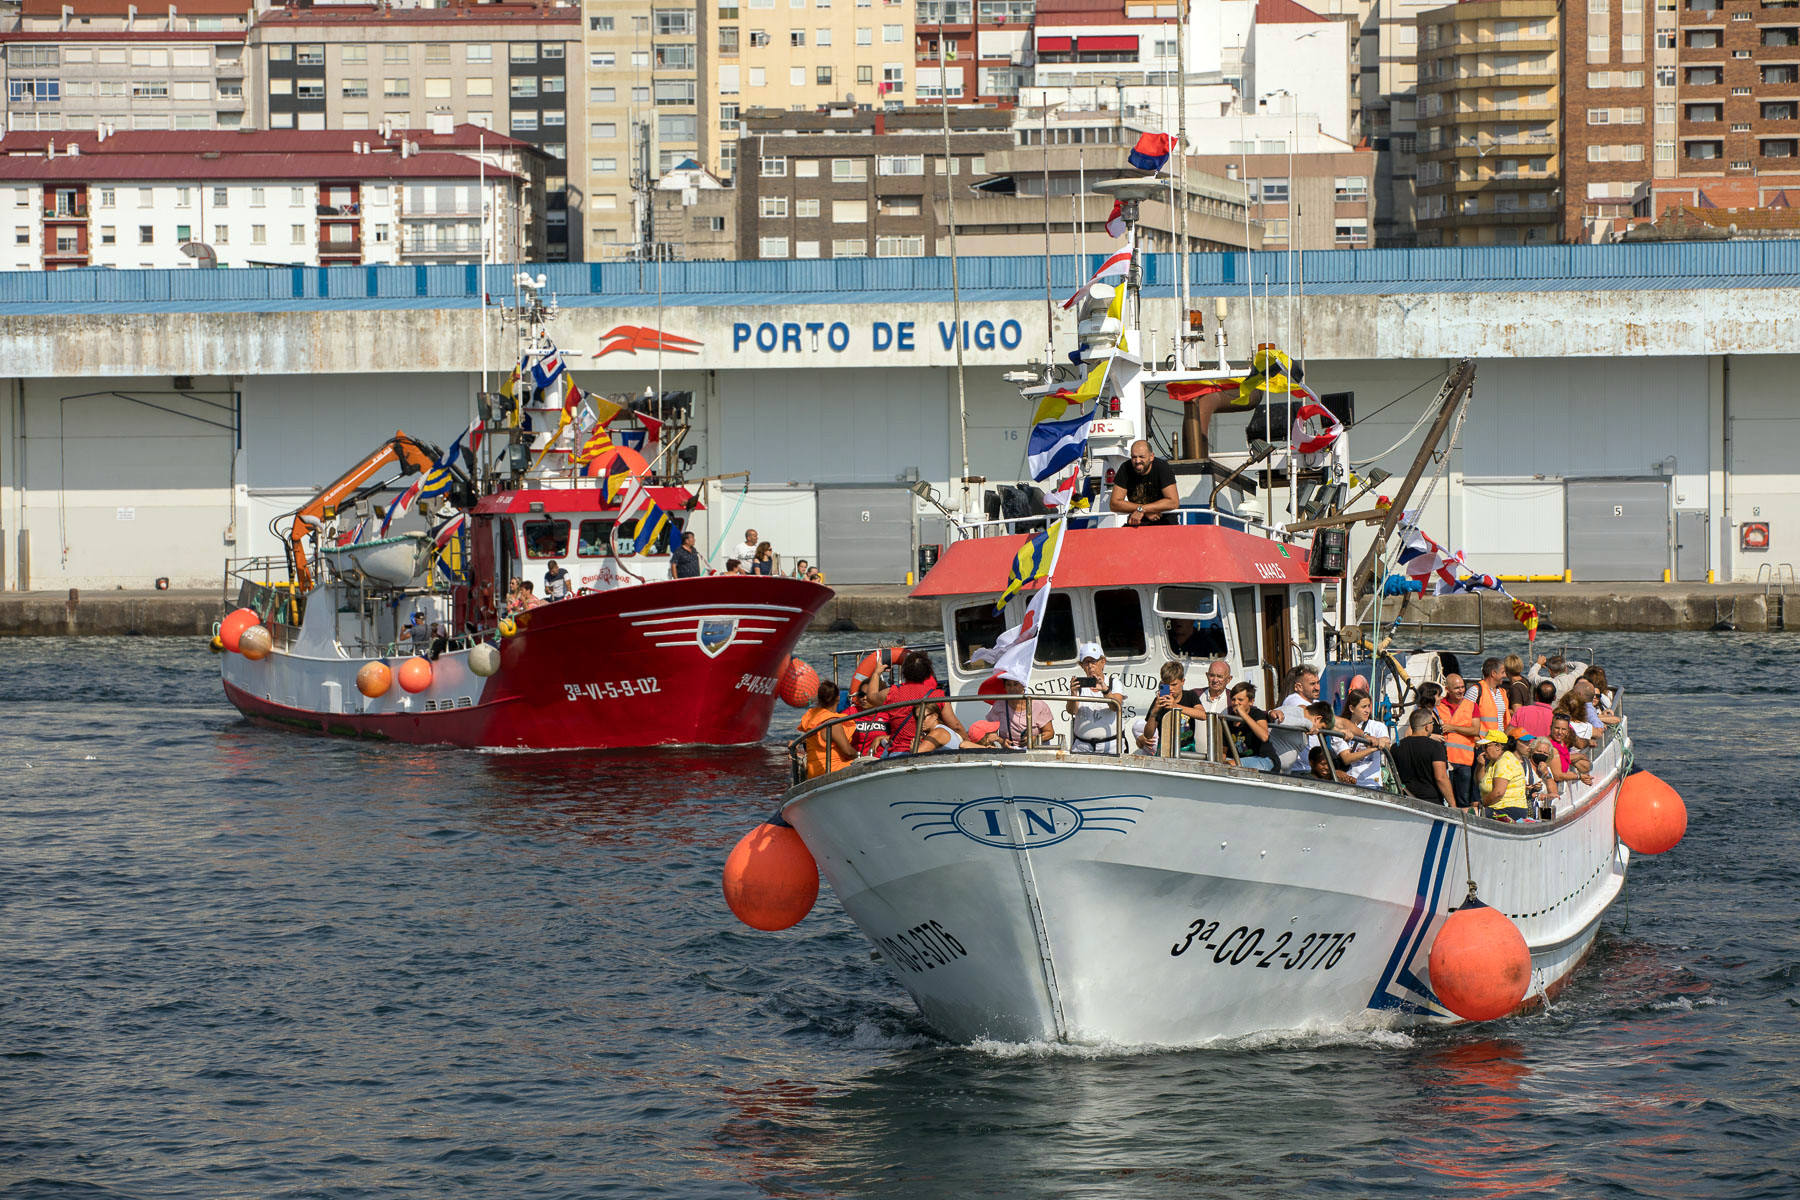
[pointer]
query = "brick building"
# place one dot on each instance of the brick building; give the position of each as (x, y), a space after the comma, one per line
(1696, 106)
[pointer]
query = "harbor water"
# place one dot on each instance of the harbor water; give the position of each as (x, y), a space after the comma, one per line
(238, 962)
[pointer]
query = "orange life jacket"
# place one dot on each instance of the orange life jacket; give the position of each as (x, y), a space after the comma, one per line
(1491, 709)
(1459, 748)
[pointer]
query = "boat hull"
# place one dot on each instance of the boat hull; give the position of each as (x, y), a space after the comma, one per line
(1149, 902)
(681, 662)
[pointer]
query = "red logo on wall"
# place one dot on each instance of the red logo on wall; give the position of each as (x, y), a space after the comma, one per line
(632, 338)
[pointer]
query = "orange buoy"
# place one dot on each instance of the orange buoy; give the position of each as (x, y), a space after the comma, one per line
(771, 880)
(1480, 966)
(415, 674)
(1358, 683)
(1649, 815)
(374, 680)
(233, 626)
(799, 684)
(255, 643)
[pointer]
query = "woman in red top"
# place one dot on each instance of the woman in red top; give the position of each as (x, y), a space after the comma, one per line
(917, 682)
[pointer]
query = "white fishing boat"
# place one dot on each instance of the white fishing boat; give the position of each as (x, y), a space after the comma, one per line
(1037, 890)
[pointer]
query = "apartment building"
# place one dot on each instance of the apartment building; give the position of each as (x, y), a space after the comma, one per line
(1321, 200)
(1489, 151)
(78, 64)
(645, 113)
(694, 215)
(251, 199)
(509, 67)
(853, 183)
(986, 50)
(1692, 106)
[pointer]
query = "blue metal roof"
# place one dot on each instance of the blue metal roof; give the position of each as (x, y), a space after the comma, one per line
(1651, 267)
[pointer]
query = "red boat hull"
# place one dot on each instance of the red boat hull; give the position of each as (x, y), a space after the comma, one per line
(679, 662)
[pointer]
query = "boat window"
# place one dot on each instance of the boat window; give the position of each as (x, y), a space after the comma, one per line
(546, 539)
(659, 542)
(594, 539)
(1119, 615)
(1243, 607)
(1056, 640)
(1191, 621)
(978, 626)
(1308, 620)
(1187, 602)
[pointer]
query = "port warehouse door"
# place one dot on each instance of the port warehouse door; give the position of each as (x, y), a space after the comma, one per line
(1618, 529)
(865, 533)
(1513, 526)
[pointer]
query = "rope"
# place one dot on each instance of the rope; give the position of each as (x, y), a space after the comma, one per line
(729, 520)
(1423, 417)
(1468, 860)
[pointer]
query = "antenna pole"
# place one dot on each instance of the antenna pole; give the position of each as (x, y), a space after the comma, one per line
(1182, 251)
(962, 406)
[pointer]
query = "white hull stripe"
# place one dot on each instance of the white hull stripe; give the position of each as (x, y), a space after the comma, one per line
(712, 608)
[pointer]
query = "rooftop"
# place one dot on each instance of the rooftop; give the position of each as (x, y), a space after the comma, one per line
(151, 10)
(460, 14)
(248, 141)
(1286, 12)
(159, 168)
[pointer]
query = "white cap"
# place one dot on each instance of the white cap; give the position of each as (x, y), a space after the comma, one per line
(1090, 650)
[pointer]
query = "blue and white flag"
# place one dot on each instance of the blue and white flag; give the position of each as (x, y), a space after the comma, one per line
(548, 369)
(1053, 445)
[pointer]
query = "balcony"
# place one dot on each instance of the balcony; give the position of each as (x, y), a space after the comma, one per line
(340, 211)
(229, 68)
(337, 246)
(67, 210)
(440, 247)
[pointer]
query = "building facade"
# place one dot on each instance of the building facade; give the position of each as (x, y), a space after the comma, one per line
(161, 200)
(849, 183)
(1489, 152)
(510, 67)
(1689, 108)
(1318, 201)
(644, 112)
(80, 64)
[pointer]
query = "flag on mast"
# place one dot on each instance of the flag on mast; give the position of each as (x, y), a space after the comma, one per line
(1116, 266)
(1152, 152)
(1115, 220)
(1053, 445)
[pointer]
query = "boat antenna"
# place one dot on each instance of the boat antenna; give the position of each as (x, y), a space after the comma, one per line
(1049, 298)
(1080, 205)
(1182, 250)
(962, 407)
(481, 289)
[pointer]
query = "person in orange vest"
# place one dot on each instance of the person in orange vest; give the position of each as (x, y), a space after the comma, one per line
(1491, 708)
(1456, 721)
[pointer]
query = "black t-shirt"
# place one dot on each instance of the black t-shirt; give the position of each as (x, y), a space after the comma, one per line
(1243, 738)
(1146, 487)
(1412, 758)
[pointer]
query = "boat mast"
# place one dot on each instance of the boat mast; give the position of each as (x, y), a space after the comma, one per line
(962, 407)
(1182, 249)
(481, 287)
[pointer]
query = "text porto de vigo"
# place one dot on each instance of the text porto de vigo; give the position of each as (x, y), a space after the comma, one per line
(780, 337)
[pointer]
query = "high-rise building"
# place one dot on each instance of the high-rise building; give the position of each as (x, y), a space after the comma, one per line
(644, 113)
(81, 64)
(1489, 162)
(510, 67)
(1695, 108)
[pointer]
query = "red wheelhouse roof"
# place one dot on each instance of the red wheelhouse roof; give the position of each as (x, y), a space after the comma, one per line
(671, 500)
(1093, 558)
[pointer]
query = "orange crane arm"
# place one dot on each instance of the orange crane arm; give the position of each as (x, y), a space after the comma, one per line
(398, 449)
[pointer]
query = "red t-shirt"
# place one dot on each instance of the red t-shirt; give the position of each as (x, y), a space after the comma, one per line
(902, 723)
(866, 731)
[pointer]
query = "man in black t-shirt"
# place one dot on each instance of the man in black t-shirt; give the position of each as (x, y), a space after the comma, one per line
(1421, 760)
(1144, 488)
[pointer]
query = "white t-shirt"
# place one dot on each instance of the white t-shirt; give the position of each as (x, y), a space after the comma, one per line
(1364, 772)
(747, 553)
(1094, 727)
(1219, 706)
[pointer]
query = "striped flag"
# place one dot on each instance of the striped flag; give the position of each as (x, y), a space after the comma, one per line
(1152, 152)
(548, 370)
(1034, 561)
(1053, 445)
(401, 503)
(1116, 266)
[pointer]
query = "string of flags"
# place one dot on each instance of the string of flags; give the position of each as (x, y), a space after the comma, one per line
(1426, 563)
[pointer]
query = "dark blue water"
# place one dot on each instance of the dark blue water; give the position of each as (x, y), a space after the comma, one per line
(237, 962)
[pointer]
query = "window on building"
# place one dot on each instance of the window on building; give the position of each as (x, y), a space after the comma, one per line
(1274, 191)
(392, 53)
(728, 39)
(900, 247)
(849, 248)
(1350, 188)
(309, 55)
(604, 131)
(896, 164)
(774, 168)
(806, 249)
(522, 52)
(478, 53)
(864, 37)
(355, 89)
(850, 212)
(772, 247)
(600, 24)
(806, 208)
(796, 37)
(146, 235)
(772, 206)
(524, 122)
(478, 85)
(396, 87)
(109, 235)
(850, 170)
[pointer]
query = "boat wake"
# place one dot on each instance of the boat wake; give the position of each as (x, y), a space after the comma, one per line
(1365, 1033)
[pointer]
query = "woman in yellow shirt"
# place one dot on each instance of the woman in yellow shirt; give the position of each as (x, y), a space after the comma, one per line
(1502, 778)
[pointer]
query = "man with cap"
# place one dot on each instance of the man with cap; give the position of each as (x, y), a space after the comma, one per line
(1093, 728)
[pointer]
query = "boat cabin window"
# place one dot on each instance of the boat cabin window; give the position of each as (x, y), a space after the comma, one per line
(1243, 608)
(977, 627)
(630, 531)
(1119, 617)
(1191, 621)
(1308, 620)
(1056, 640)
(546, 539)
(594, 539)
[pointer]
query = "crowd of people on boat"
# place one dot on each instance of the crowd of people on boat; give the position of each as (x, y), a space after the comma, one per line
(753, 557)
(1508, 745)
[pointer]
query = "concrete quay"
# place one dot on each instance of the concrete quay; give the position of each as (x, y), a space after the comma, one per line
(1624, 607)
(1635, 608)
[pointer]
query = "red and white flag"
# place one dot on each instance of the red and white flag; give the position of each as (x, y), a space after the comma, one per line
(1059, 496)
(1116, 266)
(1115, 223)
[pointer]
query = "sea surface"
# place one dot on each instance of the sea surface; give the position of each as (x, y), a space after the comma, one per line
(237, 962)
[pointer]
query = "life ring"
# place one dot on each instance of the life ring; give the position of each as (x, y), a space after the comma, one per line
(1315, 430)
(1754, 535)
(484, 600)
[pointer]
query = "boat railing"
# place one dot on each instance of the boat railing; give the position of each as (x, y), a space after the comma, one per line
(839, 657)
(796, 747)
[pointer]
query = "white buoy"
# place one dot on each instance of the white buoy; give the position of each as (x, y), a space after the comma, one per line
(484, 659)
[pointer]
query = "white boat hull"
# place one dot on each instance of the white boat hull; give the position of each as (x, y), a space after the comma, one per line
(1146, 901)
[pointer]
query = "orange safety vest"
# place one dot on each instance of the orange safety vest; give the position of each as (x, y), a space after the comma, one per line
(1459, 748)
(821, 757)
(1491, 713)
